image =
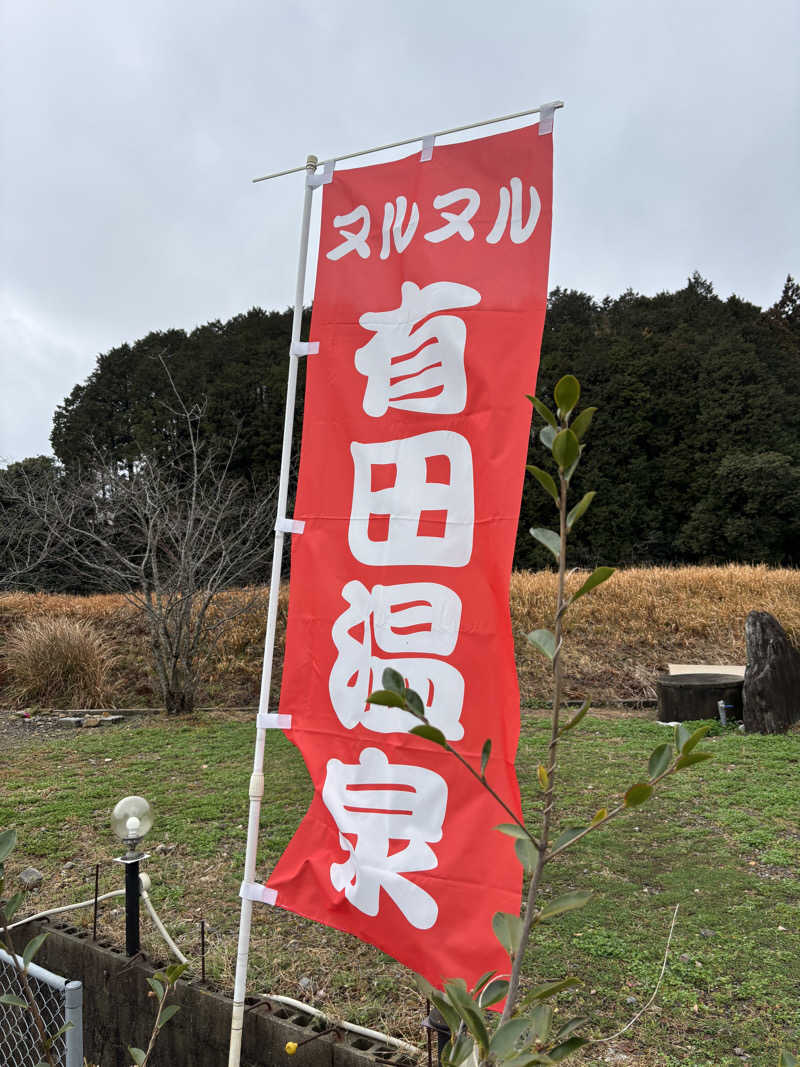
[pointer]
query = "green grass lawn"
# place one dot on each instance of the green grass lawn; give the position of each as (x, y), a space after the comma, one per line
(722, 840)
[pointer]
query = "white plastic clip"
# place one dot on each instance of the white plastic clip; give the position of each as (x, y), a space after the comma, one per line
(269, 720)
(258, 892)
(427, 147)
(546, 113)
(304, 348)
(290, 526)
(321, 177)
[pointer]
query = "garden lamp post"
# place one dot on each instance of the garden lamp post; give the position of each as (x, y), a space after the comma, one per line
(130, 821)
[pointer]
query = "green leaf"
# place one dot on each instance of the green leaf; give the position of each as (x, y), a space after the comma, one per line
(505, 1037)
(579, 509)
(549, 989)
(549, 539)
(597, 577)
(542, 776)
(571, 1026)
(156, 986)
(566, 449)
(448, 1012)
(541, 1021)
(414, 703)
(682, 735)
(546, 482)
(598, 816)
(660, 759)
(695, 739)
(461, 1048)
(430, 733)
(393, 680)
(527, 853)
(386, 698)
(567, 836)
(458, 995)
(484, 978)
(543, 410)
(567, 902)
(167, 1013)
(567, 393)
(486, 752)
(15, 1002)
(511, 830)
(576, 718)
(560, 1052)
(638, 794)
(174, 971)
(60, 1031)
(137, 1054)
(544, 640)
(692, 758)
(493, 993)
(32, 948)
(787, 1059)
(12, 904)
(508, 930)
(580, 424)
(571, 470)
(547, 435)
(8, 838)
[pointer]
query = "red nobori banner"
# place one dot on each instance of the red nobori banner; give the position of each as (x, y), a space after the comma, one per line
(429, 307)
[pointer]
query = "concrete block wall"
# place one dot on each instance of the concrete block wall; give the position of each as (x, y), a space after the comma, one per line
(117, 1012)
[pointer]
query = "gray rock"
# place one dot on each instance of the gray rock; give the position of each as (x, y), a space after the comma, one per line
(30, 878)
(771, 694)
(70, 720)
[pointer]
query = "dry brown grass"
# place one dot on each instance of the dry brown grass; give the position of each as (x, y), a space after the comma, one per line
(57, 662)
(623, 635)
(619, 638)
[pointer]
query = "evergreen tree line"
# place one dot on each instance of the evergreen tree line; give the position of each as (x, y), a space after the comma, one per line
(695, 452)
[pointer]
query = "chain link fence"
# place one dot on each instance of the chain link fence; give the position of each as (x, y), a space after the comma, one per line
(59, 1002)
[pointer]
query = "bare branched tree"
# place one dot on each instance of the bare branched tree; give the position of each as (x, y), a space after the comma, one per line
(170, 532)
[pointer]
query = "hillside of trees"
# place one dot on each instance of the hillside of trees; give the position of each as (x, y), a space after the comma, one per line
(694, 452)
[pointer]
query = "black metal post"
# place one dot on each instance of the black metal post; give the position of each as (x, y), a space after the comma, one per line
(435, 1022)
(428, 1033)
(132, 907)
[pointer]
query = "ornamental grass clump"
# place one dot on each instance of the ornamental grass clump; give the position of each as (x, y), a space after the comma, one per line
(57, 662)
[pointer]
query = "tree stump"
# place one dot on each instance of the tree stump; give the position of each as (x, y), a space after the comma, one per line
(687, 697)
(772, 676)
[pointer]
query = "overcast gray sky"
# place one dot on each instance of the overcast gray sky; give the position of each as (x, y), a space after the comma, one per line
(131, 130)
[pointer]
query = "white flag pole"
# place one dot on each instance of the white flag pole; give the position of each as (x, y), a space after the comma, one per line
(257, 777)
(540, 109)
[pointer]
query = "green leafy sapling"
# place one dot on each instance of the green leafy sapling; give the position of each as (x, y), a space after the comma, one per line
(160, 985)
(526, 1032)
